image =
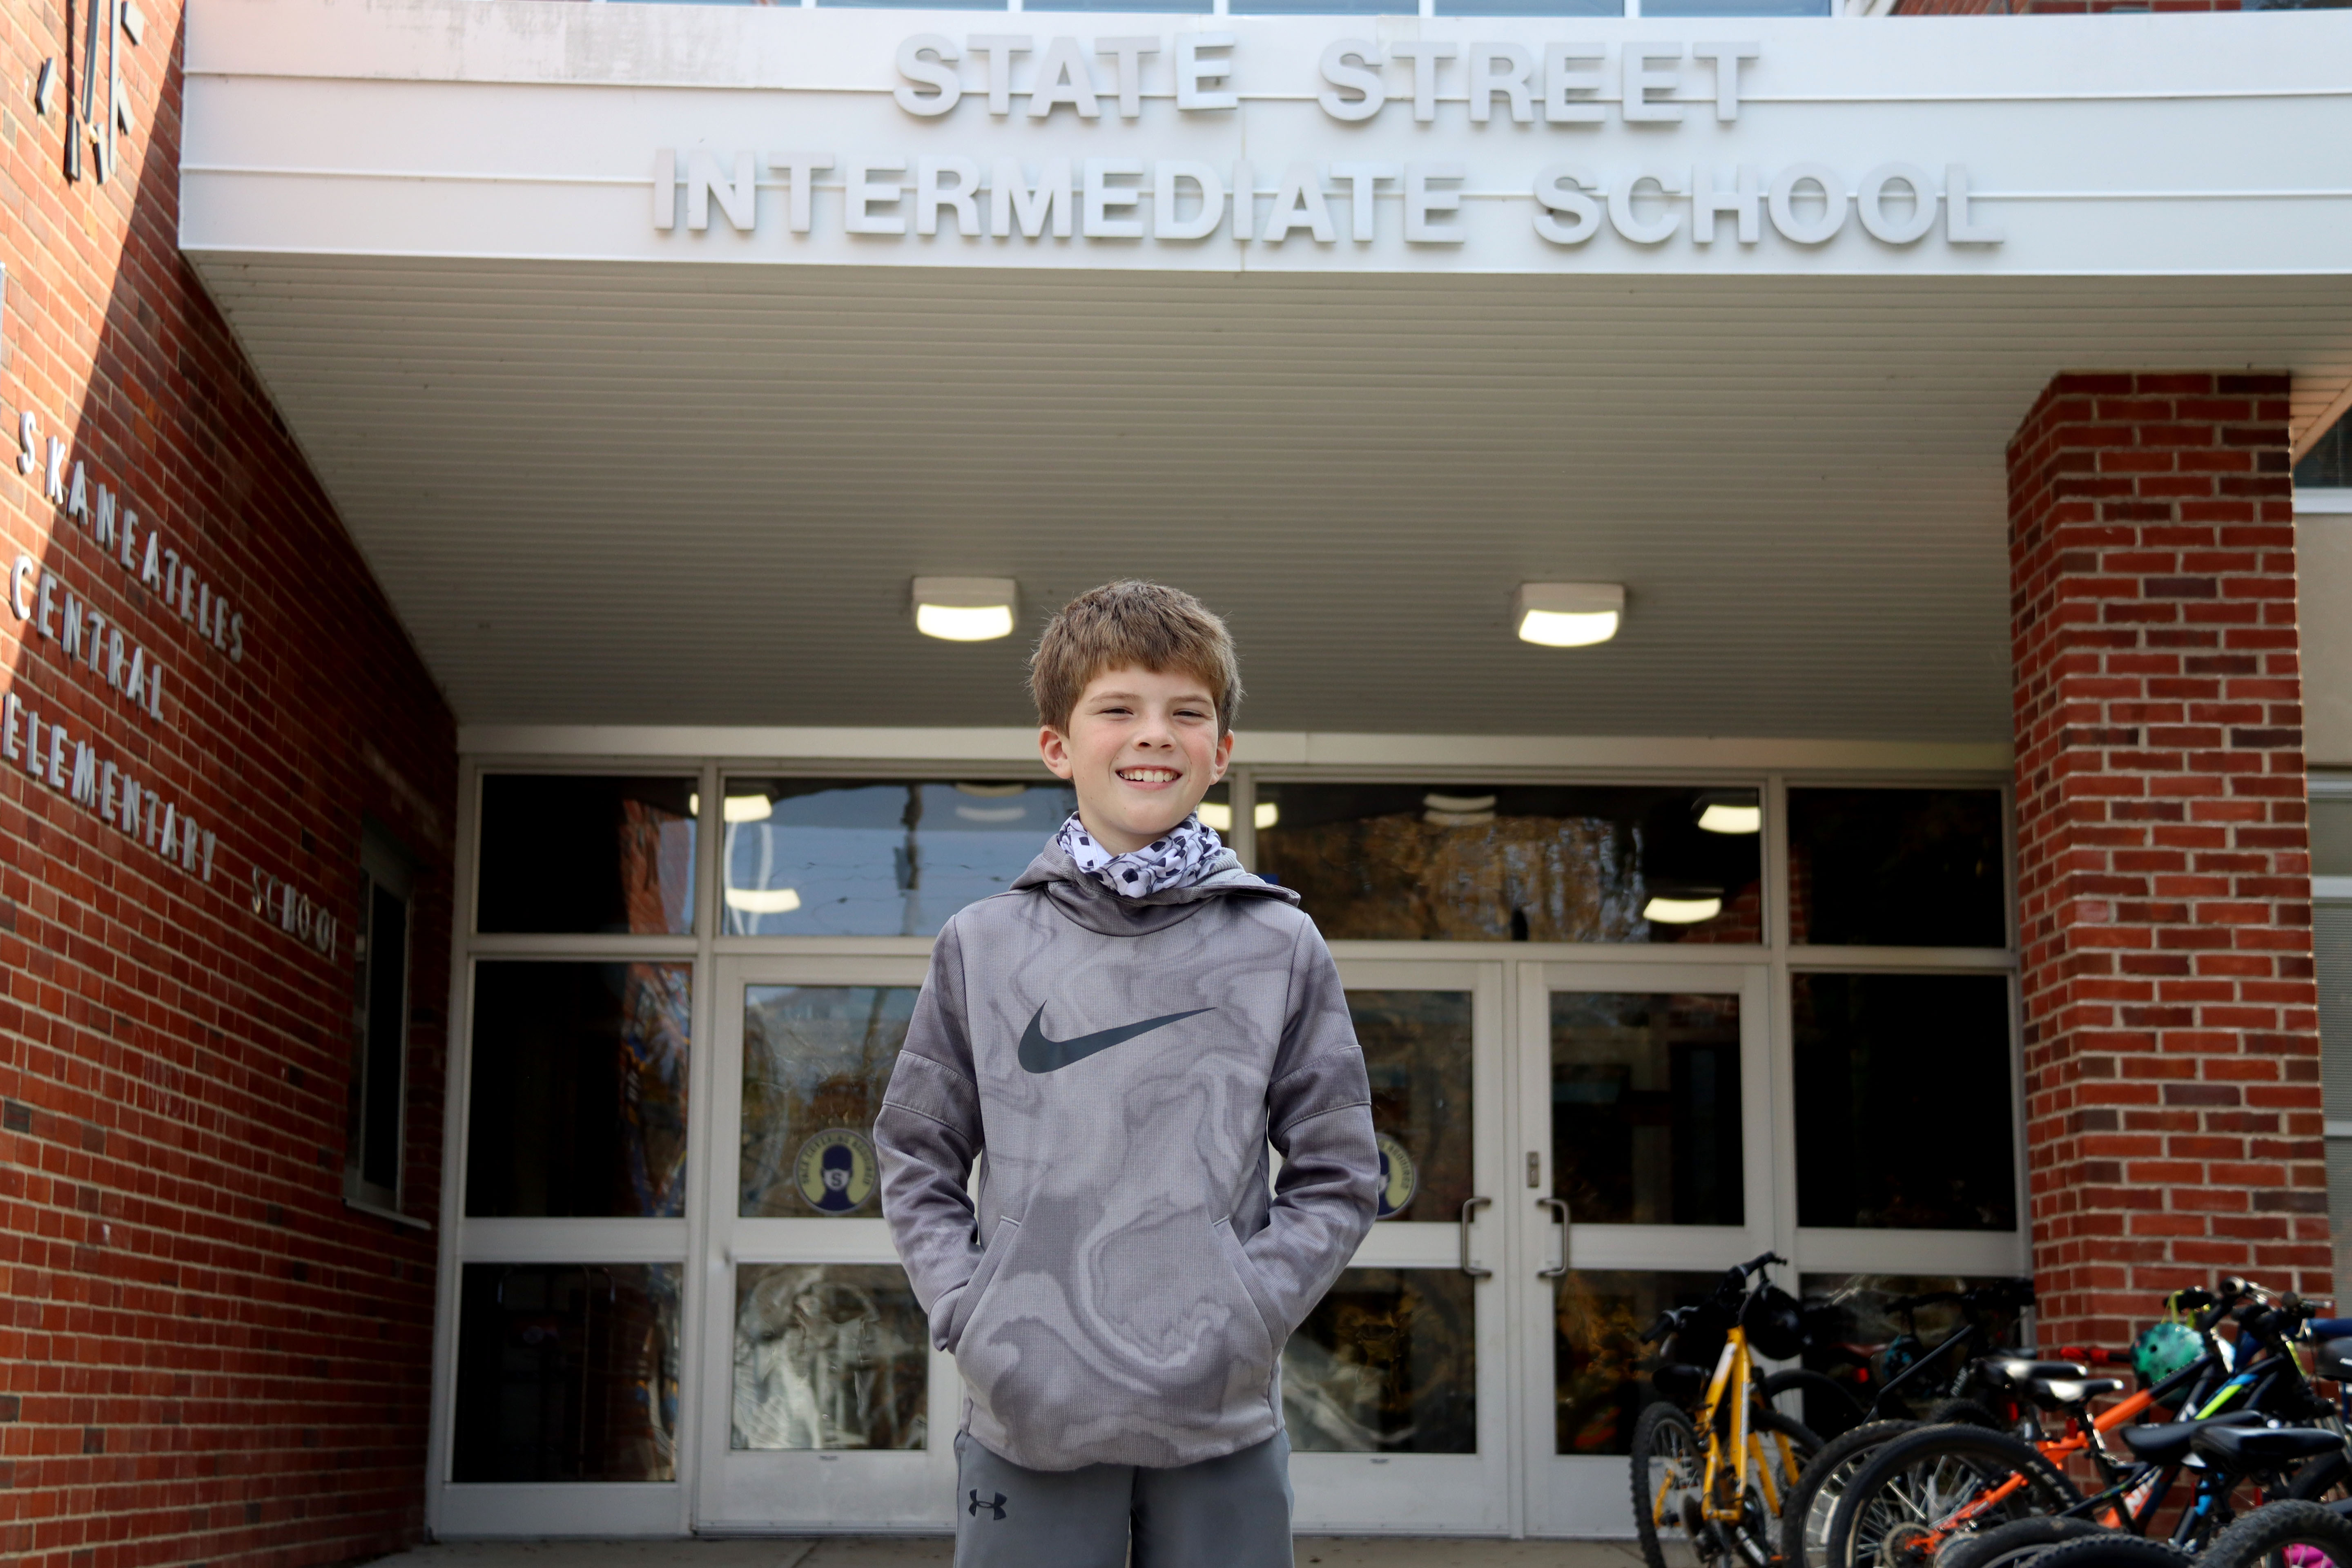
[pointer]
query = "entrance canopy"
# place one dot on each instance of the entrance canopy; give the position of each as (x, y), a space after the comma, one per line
(650, 352)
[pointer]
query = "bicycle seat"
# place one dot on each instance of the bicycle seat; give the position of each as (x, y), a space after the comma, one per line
(2258, 1447)
(2065, 1393)
(2014, 1373)
(2167, 1442)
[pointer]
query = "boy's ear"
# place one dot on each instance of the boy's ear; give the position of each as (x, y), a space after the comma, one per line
(1054, 748)
(1224, 758)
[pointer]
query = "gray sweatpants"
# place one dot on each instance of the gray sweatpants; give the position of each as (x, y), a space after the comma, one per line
(1228, 1512)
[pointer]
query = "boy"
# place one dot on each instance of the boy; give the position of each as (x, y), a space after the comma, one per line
(1124, 1032)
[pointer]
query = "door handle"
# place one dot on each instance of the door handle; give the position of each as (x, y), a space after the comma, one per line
(1559, 1206)
(1470, 1207)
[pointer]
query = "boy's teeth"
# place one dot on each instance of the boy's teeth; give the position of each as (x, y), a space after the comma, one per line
(1148, 775)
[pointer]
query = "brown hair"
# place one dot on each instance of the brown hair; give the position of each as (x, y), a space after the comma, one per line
(1145, 625)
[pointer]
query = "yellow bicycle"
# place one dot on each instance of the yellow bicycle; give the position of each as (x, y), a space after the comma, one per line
(1723, 1493)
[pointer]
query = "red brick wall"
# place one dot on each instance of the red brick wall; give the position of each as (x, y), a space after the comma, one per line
(205, 1356)
(2053, 7)
(2171, 1045)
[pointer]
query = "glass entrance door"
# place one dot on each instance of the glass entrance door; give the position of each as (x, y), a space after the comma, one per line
(824, 1406)
(1645, 1111)
(1396, 1390)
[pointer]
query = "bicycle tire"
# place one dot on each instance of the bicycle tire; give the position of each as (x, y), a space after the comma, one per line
(1662, 1433)
(1844, 1411)
(2019, 1542)
(1754, 1539)
(2116, 1549)
(1963, 1413)
(2324, 1480)
(1929, 1473)
(2261, 1539)
(1804, 1522)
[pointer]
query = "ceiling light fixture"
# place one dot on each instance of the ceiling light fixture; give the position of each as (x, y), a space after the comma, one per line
(1215, 816)
(748, 808)
(1567, 615)
(1681, 912)
(965, 609)
(763, 900)
(1735, 812)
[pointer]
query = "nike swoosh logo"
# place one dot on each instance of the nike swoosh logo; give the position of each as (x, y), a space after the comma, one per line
(1039, 1054)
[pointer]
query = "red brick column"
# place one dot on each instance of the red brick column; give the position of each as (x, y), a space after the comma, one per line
(2173, 1126)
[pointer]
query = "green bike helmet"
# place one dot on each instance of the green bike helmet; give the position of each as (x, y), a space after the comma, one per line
(2163, 1349)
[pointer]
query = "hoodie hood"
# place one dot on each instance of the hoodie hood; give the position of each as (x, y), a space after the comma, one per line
(1083, 899)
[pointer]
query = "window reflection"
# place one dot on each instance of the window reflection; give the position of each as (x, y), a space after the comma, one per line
(1896, 867)
(567, 853)
(1855, 1336)
(578, 1101)
(828, 1355)
(1903, 1102)
(1470, 863)
(1417, 1051)
(815, 1061)
(567, 1372)
(852, 857)
(1599, 1365)
(1646, 1108)
(1387, 1363)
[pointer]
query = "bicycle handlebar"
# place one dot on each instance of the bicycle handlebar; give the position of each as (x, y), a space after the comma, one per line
(1761, 1262)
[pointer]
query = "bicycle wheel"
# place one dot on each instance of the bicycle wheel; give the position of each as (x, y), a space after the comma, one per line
(1905, 1502)
(1667, 1467)
(2296, 1533)
(1830, 1409)
(1805, 1519)
(2326, 1478)
(2114, 1549)
(1753, 1538)
(2015, 1543)
(1963, 1413)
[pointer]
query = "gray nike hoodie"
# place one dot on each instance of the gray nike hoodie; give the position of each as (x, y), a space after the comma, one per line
(1120, 1286)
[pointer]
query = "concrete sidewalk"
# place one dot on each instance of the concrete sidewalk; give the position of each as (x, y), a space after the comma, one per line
(934, 1551)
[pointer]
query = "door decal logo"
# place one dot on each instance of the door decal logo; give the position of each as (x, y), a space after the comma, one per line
(835, 1171)
(1039, 1054)
(1399, 1179)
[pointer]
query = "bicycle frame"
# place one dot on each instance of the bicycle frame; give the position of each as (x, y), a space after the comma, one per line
(1733, 1371)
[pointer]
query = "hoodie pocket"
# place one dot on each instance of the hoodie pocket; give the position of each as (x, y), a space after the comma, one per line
(1244, 1273)
(991, 1258)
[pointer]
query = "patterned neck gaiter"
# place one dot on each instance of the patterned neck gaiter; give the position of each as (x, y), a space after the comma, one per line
(1188, 853)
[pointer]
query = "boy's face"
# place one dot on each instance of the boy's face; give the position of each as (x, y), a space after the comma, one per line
(1142, 748)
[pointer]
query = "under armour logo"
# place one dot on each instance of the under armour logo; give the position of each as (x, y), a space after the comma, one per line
(995, 1510)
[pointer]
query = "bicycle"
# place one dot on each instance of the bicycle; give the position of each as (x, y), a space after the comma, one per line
(1726, 1496)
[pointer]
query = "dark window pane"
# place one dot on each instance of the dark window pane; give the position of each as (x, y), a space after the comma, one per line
(1896, 867)
(562, 853)
(1471, 863)
(385, 1033)
(579, 1089)
(1903, 1102)
(2331, 837)
(860, 857)
(1857, 1338)
(567, 1372)
(1599, 1361)
(1646, 1108)
(2328, 465)
(1417, 1051)
(1386, 1363)
(828, 1355)
(815, 1061)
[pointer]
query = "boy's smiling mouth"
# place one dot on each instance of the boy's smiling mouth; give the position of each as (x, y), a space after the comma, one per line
(1148, 775)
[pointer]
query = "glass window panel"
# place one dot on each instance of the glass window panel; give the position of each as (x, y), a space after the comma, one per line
(384, 1017)
(2328, 465)
(1855, 1337)
(1386, 1363)
(1646, 1108)
(1903, 1102)
(1599, 1364)
(567, 1372)
(815, 1061)
(862, 857)
(1531, 7)
(1177, 8)
(1734, 7)
(2331, 837)
(828, 1355)
(565, 853)
(1896, 867)
(1475, 863)
(1417, 1051)
(578, 1102)
(1312, 7)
